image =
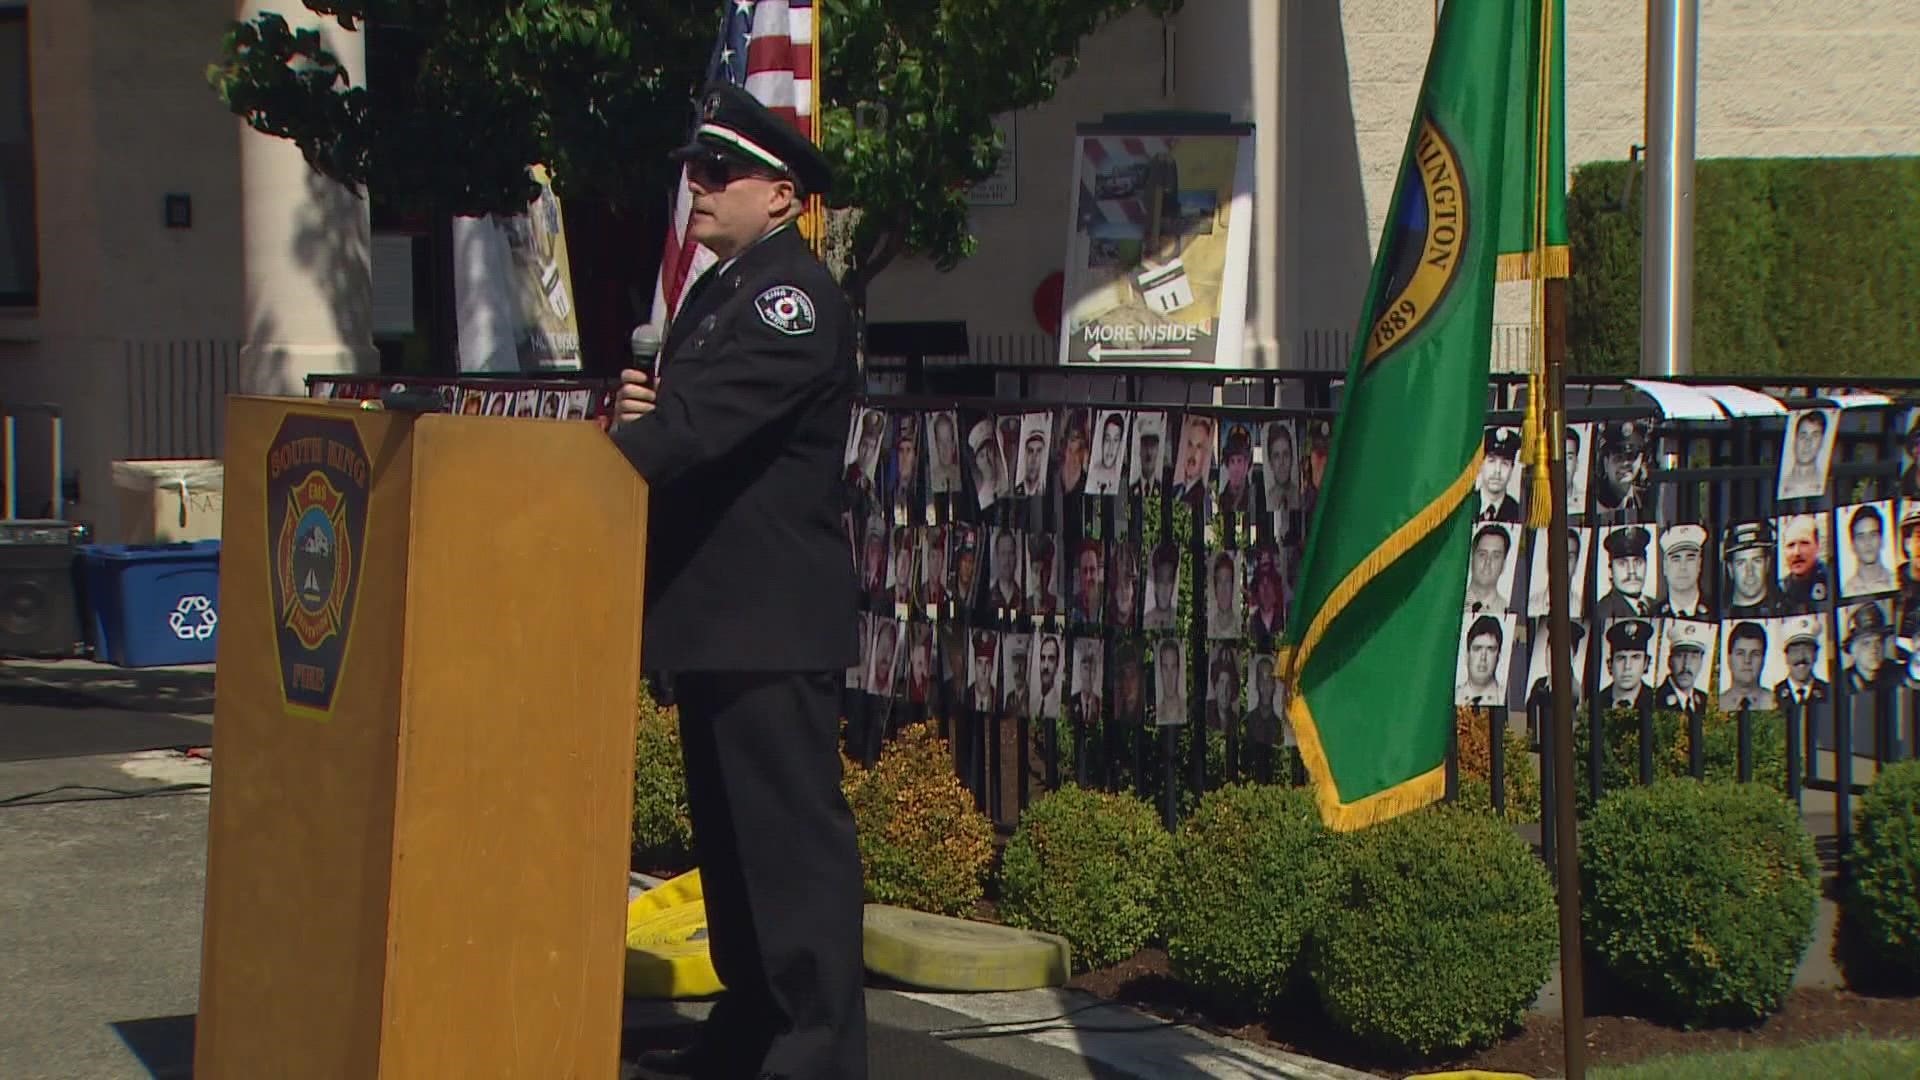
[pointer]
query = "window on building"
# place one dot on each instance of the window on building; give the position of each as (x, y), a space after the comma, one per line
(19, 254)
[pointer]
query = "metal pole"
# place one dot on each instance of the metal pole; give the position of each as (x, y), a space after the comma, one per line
(1566, 841)
(1268, 23)
(1666, 267)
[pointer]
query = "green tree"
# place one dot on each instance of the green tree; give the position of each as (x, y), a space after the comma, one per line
(598, 90)
(910, 95)
(467, 95)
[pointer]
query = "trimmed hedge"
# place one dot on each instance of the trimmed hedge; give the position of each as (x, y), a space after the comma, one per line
(923, 845)
(1440, 932)
(1247, 886)
(1699, 897)
(1802, 266)
(1882, 898)
(1087, 865)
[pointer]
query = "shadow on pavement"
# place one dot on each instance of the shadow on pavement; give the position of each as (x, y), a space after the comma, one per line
(50, 712)
(164, 1047)
(162, 1044)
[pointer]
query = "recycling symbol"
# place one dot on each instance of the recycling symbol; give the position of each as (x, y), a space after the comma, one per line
(193, 618)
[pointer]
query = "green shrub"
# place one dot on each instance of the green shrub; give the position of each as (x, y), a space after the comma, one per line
(662, 827)
(923, 845)
(1247, 886)
(1087, 865)
(1520, 777)
(1440, 932)
(1882, 897)
(1672, 743)
(1699, 897)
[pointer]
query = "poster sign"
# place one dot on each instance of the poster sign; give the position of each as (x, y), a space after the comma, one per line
(514, 289)
(1157, 248)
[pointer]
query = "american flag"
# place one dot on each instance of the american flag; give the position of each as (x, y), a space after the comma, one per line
(767, 46)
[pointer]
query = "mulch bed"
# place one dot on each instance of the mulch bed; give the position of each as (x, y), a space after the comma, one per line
(1613, 1035)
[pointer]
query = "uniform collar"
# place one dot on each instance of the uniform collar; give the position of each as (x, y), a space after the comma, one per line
(750, 248)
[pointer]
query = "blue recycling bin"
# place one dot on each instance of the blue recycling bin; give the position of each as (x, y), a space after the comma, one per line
(152, 605)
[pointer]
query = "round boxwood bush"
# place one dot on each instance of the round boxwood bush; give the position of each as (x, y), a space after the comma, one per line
(1087, 865)
(923, 844)
(1699, 897)
(662, 825)
(1882, 899)
(1440, 931)
(1246, 887)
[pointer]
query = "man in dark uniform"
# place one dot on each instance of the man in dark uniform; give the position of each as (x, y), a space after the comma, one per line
(1497, 467)
(1808, 578)
(1803, 686)
(1631, 641)
(1748, 551)
(1866, 647)
(1688, 643)
(1627, 570)
(1683, 593)
(1620, 473)
(1907, 609)
(751, 599)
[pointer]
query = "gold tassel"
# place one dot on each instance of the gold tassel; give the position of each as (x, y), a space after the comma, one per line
(1539, 264)
(1535, 451)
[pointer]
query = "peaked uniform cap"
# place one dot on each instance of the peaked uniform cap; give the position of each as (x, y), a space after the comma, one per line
(735, 124)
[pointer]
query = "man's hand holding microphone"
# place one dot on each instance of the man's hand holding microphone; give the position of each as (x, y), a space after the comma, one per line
(635, 397)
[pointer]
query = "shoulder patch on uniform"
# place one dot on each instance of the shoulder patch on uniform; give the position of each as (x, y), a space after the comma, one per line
(787, 309)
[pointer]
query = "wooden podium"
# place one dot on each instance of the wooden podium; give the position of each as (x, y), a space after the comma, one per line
(424, 736)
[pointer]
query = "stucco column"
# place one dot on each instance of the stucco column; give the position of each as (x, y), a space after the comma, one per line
(306, 247)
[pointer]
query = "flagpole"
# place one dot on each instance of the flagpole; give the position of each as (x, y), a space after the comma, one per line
(1560, 636)
(1550, 311)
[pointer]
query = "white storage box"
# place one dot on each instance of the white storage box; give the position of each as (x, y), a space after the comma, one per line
(163, 500)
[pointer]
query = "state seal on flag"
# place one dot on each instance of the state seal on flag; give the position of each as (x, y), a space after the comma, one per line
(1426, 239)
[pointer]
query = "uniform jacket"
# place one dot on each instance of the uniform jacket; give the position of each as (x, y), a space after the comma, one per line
(1817, 692)
(747, 565)
(1669, 698)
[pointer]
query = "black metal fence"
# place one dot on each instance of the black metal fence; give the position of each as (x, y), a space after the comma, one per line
(1065, 653)
(1031, 625)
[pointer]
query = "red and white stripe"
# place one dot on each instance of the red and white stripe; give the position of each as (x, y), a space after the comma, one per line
(780, 60)
(779, 74)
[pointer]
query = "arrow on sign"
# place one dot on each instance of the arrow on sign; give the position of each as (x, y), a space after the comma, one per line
(1101, 351)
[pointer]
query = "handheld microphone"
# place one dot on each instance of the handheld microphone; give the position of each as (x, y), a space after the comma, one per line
(645, 345)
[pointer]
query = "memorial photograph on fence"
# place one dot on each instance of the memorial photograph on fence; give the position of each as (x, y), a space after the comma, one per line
(1157, 246)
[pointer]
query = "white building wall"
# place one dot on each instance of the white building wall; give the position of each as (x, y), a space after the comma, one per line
(1776, 78)
(133, 317)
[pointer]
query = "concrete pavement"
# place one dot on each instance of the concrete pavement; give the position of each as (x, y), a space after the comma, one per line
(102, 875)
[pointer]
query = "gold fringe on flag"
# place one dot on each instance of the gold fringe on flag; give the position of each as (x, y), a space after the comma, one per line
(1518, 265)
(1416, 791)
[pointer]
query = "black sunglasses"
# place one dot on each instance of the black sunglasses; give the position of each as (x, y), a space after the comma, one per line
(719, 170)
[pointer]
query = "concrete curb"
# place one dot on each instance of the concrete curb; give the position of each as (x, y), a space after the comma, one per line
(1126, 1040)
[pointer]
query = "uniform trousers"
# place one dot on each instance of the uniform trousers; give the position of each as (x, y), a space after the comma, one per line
(779, 871)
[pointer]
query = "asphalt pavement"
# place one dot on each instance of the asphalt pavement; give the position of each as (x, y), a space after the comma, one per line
(103, 822)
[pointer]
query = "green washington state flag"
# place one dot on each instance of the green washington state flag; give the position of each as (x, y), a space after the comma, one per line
(1373, 637)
